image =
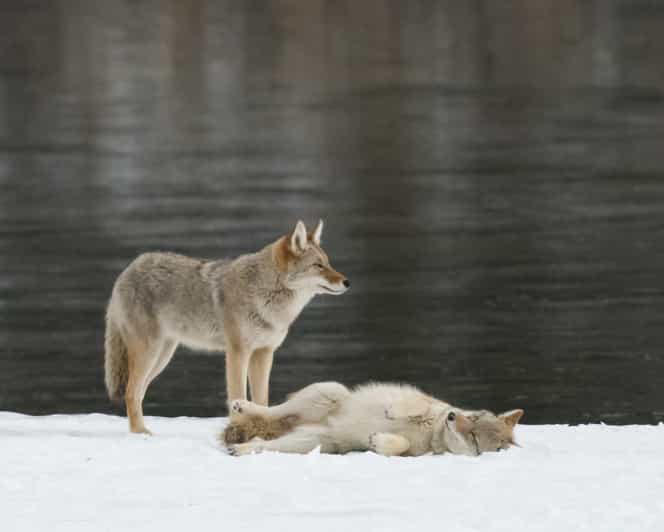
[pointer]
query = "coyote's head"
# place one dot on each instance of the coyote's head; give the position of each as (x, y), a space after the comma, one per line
(305, 265)
(474, 432)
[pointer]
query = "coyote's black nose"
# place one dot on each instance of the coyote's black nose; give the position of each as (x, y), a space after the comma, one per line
(346, 283)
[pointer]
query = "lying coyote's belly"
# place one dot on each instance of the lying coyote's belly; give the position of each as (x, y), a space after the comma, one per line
(389, 419)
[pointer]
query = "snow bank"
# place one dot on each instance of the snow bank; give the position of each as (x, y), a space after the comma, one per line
(85, 473)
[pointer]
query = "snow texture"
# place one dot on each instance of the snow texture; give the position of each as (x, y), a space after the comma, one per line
(86, 473)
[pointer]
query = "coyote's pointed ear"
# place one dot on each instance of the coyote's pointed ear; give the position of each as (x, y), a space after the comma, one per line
(315, 236)
(512, 417)
(298, 240)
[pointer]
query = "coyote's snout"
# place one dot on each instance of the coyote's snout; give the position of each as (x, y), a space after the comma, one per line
(243, 307)
(388, 419)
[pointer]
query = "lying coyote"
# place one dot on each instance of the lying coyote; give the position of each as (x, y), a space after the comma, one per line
(389, 419)
(243, 307)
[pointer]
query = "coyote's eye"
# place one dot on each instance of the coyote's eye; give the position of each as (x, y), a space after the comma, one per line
(319, 266)
(451, 416)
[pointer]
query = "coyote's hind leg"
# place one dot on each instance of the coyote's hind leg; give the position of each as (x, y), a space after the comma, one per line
(165, 355)
(311, 404)
(302, 440)
(142, 358)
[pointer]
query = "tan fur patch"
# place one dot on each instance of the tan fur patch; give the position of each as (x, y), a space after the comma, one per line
(248, 427)
(318, 249)
(463, 424)
(283, 254)
(332, 275)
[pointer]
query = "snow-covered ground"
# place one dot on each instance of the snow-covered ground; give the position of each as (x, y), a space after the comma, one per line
(86, 473)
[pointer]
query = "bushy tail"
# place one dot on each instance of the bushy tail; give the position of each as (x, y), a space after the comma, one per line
(115, 362)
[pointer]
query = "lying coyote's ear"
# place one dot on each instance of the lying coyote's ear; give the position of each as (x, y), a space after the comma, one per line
(298, 240)
(315, 236)
(512, 417)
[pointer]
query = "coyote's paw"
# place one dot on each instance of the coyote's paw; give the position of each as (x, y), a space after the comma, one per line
(243, 449)
(388, 444)
(238, 406)
(140, 430)
(233, 450)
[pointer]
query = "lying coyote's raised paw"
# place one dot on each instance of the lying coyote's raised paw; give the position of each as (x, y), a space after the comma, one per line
(238, 406)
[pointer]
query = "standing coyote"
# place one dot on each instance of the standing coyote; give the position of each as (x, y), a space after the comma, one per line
(243, 307)
(389, 419)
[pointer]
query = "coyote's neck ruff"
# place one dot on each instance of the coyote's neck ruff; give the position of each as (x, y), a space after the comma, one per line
(389, 419)
(243, 307)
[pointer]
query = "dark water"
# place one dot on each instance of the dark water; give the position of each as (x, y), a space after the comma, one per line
(491, 175)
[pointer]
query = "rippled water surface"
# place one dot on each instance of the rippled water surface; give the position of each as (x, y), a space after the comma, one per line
(491, 176)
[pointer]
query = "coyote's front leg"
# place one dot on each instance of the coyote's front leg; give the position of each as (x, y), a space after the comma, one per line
(260, 366)
(388, 443)
(237, 366)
